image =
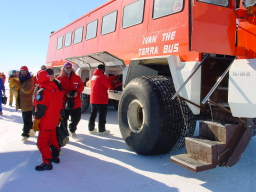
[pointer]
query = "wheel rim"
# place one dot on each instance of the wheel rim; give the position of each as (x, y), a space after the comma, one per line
(135, 116)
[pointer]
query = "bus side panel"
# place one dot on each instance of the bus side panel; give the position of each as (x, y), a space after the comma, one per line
(110, 42)
(168, 35)
(247, 39)
(213, 28)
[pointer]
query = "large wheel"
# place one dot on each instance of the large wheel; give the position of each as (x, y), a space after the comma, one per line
(150, 122)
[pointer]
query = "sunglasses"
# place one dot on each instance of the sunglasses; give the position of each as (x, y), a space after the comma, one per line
(68, 67)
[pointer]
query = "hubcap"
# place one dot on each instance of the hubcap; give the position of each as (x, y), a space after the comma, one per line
(135, 116)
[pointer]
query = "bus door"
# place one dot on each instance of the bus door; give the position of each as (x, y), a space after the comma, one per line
(213, 26)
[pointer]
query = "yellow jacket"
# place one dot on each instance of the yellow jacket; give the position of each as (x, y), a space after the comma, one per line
(14, 83)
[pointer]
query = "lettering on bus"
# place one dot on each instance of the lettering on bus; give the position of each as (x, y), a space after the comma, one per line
(149, 40)
(170, 36)
(167, 38)
(172, 48)
(148, 51)
(241, 74)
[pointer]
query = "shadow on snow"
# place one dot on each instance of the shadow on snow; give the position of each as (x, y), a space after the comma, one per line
(76, 172)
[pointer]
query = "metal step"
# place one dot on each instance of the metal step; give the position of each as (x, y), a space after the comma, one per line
(188, 162)
(217, 145)
(203, 149)
(216, 131)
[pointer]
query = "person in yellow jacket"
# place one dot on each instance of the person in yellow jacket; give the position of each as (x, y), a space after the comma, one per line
(14, 85)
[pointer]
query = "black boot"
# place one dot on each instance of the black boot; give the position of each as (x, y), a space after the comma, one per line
(56, 160)
(55, 154)
(43, 167)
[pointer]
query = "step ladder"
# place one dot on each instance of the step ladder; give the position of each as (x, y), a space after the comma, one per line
(216, 145)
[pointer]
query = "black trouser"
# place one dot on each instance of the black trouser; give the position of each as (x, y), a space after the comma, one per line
(75, 118)
(27, 121)
(102, 109)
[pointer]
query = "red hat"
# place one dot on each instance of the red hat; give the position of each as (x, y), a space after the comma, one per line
(43, 77)
(24, 68)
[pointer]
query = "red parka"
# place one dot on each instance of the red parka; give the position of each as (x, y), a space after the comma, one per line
(72, 83)
(99, 88)
(48, 106)
(48, 102)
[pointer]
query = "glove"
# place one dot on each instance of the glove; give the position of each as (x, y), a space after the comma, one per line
(36, 124)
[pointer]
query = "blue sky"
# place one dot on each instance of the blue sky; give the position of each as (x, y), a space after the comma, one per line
(26, 26)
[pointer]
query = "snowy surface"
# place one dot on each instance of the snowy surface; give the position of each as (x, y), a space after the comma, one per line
(105, 164)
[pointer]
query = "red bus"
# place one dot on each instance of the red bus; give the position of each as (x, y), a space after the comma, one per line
(180, 61)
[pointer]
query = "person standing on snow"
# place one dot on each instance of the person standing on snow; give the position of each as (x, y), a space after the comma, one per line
(48, 108)
(14, 85)
(2, 92)
(99, 99)
(73, 88)
(25, 101)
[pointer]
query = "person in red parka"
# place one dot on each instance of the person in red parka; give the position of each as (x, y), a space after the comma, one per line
(99, 99)
(73, 88)
(48, 107)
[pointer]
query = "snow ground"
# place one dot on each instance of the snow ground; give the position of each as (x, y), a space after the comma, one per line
(105, 164)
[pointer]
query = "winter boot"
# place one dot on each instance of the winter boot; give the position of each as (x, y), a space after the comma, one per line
(32, 133)
(56, 160)
(65, 140)
(55, 154)
(73, 135)
(93, 131)
(43, 167)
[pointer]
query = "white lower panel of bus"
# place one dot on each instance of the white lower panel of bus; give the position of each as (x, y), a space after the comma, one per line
(242, 88)
(180, 72)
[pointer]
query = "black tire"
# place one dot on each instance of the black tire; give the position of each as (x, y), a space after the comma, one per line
(150, 122)
(85, 103)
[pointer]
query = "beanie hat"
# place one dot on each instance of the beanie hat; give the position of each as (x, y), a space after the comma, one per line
(24, 68)
(68, 65)
(102, 67)
(50, 71)
(43, 67)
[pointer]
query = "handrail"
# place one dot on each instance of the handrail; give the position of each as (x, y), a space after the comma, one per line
(216, 84)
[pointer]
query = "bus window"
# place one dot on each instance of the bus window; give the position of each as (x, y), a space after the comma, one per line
(60, 42)
(78, 35)
(91, 30)
(166, 7)
(216, 2)
(249, 3)
(68, 39)
(109, 23)
(133, 14)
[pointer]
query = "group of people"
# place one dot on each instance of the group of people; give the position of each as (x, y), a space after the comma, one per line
(47, 102)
